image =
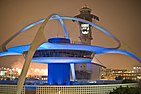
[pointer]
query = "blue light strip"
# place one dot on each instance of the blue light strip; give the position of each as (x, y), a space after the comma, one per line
(51, 46)
(70, 60)
(9, 54)
(73, 71)
(97, 27)
(63, 26)
(31, 25)
(57, 17)
(121, 52)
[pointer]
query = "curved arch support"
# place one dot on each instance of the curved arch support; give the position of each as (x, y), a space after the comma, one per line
(97, 27)
(38, 40)
(121, 52)
(63, 26)
(31, 25)
(9, 54)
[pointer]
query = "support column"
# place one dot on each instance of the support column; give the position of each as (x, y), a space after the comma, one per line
(59, 74)
(73, 72)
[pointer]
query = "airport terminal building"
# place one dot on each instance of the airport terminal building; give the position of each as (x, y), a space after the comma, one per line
(70, 66)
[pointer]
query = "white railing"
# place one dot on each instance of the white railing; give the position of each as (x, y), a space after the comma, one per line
(72, 89)
(80, 89)
(9, 89)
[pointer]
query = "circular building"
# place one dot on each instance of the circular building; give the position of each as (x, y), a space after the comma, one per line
(59, 53)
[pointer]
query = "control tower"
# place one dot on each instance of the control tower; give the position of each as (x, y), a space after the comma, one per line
(85, 29)
(86, 71)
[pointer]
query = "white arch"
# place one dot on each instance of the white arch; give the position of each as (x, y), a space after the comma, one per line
(38, 40)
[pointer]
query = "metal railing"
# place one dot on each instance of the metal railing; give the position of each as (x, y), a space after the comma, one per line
(70, 89)
(80, 89)
(9, 89)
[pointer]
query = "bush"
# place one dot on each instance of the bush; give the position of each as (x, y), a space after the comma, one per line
(127, 90)
(128, 81)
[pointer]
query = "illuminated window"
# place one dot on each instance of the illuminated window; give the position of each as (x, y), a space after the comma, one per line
(85, 28)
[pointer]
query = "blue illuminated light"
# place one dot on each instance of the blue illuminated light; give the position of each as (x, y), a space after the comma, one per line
(9, 54)
(73, 71)
(31, 25)
(97, 27)
(19, 49)
(57, 17)
(47, 60)
(51, 46)
(59, 40)
(63, 25)
(123, 53)
(59, 74)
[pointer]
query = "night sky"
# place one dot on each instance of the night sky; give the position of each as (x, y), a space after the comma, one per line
(122, 18)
